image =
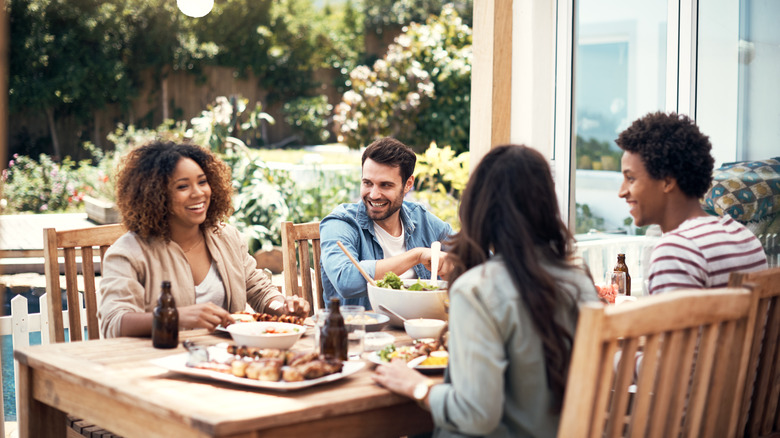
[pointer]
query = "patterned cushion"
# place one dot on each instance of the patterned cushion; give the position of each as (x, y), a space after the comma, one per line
(747, 191)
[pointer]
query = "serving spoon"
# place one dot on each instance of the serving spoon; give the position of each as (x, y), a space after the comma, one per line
(384, 308)
(435, 248)
(357, 265)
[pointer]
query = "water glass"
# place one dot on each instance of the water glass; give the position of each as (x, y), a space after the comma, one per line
(355, 323)
(319, 319)
(617, 280)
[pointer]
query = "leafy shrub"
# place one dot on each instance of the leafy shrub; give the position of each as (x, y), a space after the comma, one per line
(597, 155)
(266, 197)
(440, 178)
(310, 116)
(418, 93)
(228, 118)
(387, 13)
(586, 221)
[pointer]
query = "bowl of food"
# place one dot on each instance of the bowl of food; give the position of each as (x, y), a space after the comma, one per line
(408, 298)
(418, 328)
(266, 334)
(373, 321)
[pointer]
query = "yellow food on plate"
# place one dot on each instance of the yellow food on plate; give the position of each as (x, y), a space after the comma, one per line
(434, 361)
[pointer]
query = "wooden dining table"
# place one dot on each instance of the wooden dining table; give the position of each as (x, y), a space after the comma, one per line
(113, 384)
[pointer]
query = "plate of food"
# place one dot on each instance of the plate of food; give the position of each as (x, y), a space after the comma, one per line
(279, 370)
(242, 317)
(425, 356)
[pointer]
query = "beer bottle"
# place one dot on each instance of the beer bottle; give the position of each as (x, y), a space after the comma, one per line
(621, 266)
(333, 335)
(165, 323)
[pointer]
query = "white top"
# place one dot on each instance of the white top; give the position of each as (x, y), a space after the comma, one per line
(393, 246)
(702, 252)
(211, 289)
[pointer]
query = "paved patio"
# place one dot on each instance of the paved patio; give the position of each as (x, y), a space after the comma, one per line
(21, 234)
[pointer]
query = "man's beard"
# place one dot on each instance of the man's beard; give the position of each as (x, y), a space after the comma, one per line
(391, 209)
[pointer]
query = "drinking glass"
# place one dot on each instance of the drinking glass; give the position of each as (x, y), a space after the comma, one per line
(617, 280)
(319, 320)
(355, 323)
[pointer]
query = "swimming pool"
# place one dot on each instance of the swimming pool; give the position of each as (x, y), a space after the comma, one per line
(9, 385)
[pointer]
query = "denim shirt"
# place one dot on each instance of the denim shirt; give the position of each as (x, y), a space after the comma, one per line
(350, 224)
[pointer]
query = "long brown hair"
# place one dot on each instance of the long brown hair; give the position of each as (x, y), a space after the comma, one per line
(509, 207)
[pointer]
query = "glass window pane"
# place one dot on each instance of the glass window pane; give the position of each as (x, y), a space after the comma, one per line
(620, 75)
(759, 88)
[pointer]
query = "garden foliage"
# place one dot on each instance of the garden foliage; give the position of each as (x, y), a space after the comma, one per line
(440, 178)
(419, 92)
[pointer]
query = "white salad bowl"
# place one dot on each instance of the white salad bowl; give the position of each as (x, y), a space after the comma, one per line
(410, 304)
(418, 328)
(260, 334)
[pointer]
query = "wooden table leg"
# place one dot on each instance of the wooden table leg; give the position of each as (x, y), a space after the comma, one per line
(36, 419)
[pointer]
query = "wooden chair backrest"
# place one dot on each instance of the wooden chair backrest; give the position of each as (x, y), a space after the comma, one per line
(693, 364)
(759, 413)
(70, 241)
(299, 235)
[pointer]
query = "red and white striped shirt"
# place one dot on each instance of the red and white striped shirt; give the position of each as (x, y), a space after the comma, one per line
(702, 252)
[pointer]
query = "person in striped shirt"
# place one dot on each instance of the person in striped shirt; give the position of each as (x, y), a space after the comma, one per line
(667, 167)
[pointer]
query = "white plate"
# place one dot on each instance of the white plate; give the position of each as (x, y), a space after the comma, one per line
(178, 363)
(414, 363)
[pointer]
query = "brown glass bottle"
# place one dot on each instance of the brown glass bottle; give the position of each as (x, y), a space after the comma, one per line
(333, 335)
(621, 266)
(165, 320)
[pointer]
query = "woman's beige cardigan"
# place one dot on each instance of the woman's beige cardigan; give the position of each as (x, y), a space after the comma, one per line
(134, 269)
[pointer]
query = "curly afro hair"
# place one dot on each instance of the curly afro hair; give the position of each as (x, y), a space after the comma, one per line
(142, 187)
(671, 145)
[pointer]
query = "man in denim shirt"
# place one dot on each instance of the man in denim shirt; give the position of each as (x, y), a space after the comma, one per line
(383, 232)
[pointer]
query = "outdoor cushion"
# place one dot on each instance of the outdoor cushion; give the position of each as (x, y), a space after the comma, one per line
(747, 190)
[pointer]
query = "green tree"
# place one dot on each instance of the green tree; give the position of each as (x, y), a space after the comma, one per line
(67, 58)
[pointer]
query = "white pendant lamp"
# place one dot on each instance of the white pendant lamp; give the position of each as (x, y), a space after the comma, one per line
(195, 8)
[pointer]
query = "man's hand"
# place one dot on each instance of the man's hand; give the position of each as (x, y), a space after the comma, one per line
(444, 265)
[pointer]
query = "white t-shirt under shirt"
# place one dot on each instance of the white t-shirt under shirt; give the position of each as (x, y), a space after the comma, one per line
(702, 252)
(393, 246)
(211, 289)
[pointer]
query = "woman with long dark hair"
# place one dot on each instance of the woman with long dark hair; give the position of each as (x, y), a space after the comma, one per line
(513, 306)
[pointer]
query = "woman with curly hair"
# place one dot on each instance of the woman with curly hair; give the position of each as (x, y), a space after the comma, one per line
(174, 200)
(514, 299)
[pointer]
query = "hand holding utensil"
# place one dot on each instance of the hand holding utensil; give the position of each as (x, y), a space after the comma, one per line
(357, 265)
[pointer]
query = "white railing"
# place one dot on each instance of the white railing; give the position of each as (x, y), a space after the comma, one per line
(19, 325)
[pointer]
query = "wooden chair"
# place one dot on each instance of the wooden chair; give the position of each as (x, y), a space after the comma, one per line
(70, 241)
(301, 235)
(759, 415)
(693, 364)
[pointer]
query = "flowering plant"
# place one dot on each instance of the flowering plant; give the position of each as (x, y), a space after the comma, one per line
(41, 185)
(439, 179)
(418, 93)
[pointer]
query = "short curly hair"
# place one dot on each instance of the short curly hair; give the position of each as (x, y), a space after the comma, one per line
(671, 145)
(142, 187)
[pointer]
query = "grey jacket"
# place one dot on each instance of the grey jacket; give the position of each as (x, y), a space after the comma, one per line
(496, 383)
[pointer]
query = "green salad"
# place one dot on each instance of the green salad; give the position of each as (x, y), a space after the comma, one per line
(393, 281)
